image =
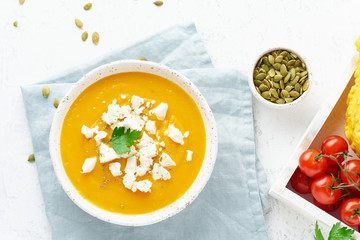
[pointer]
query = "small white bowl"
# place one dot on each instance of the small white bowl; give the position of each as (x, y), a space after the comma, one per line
(135, 66)
(271, 104)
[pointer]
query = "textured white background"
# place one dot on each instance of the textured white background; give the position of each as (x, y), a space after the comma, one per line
(234, 31)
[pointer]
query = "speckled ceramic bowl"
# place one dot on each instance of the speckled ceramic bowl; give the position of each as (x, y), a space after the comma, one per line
(135, 66)
(271, 104)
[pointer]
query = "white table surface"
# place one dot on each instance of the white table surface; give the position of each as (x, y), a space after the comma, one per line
(46, 43)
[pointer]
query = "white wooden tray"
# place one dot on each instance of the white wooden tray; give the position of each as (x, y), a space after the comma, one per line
(329, 120)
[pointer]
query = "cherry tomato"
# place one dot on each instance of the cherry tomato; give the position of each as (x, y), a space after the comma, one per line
(334, 170)
(333, 145)
(322, 194)
(312, 164)
(328, 208)
(349, 212)
(300, 182)
(352, 167)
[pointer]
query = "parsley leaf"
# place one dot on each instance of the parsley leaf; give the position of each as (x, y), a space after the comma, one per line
(121, 142)
(336, 233)
(318, 235)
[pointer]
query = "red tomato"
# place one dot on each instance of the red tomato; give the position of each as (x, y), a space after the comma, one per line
(327, 208)
(334, 170)
(312, 164)
(349, 212)
(352, 167)
(300, 182)
(333, 145)
(322, 194)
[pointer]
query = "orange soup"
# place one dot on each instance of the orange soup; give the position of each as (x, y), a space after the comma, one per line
(99, 185)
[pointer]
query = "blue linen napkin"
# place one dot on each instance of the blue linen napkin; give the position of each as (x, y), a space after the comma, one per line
(230, 206)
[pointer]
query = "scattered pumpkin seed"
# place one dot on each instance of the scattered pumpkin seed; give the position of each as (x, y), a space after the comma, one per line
(158, 3)
(46, 91)
(144, 59)
(56, 102)
(78, 23)
(280, 76)
(84, 36)
(95, 38)
(21, 2)
(87, 6)
(15, 23)
(31, 158)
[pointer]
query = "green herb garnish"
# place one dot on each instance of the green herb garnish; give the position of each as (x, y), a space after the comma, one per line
(121, 142)
(336, 233)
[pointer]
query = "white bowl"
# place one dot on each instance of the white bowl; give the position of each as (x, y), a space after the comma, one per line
(135, 66)
(271, 104)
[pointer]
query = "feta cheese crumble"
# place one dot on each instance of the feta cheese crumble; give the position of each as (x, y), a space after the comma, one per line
(89, 132)
(107, 154)
(123, 96)
(115, 113)
(186, 134)
(130, 164)
(175, 134)
(166, 161)
(144, 167)
(136, 102)
(88, 165)
(134, 122)
(144, 186)
(189, 155)
(160, 111)
(115, 169)
(129, 181)
(99, 136)
(150, 127)
(159, 172)
(162, 144)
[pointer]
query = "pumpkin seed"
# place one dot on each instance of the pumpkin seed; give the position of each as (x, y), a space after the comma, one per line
(294, 55)
(265, 67)
(46, 91)
(87, 6)
(266, 94)
(273, 99)
(256, 82)
(263, 88)
(277, 66)
(282, 84)
(292, 72)
(15, 23)
(278, 77)
(297, 87)
(289, 88)
(21, 2)
(84, 36)
(266, 61)
(274, 92)
(290, 63)
(56, 102)
(271, 72)
(304, 73)
(142, 59)
(95, 38)
(285, 93)
(158, 3)
(284, 54)
(257, 89)
(287, 100)
(287, 77)
(280, 101)
(276, 85)
(303, 65)
(79, 23)
(271, 59)
(303, 79)
(279, 59)
(31, 158)
(297, 63)
(306, 85)
(267, 83)
(260, 62)
(260, 76)
(294, 94)
(283, 70)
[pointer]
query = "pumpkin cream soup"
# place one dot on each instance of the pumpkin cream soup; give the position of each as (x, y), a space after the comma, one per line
(133, 143)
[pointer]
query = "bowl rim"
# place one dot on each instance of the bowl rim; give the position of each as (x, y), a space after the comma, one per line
(210, 151)
(271, 104)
